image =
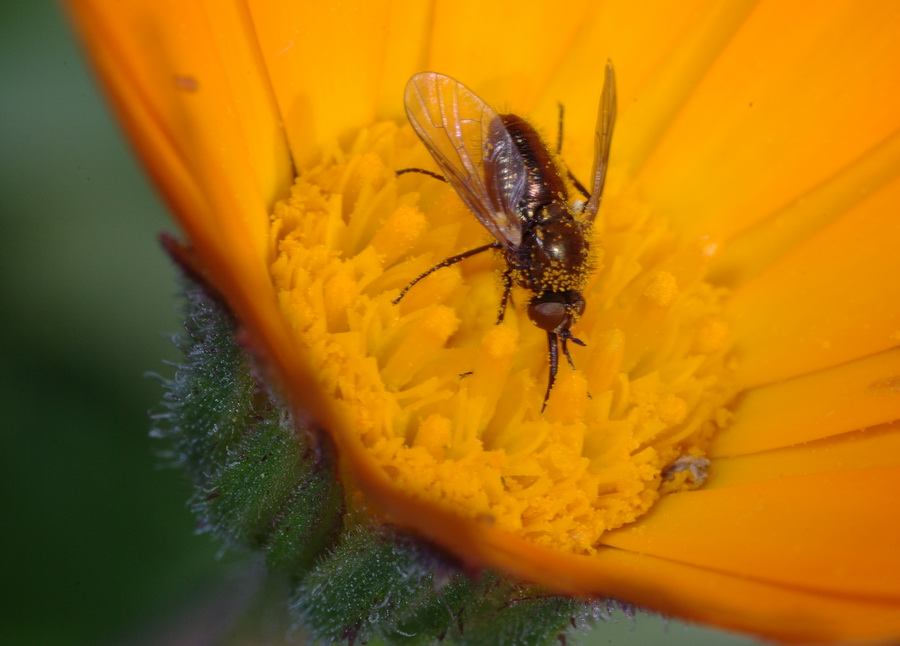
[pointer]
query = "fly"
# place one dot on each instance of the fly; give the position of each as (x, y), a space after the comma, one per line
(504, 173)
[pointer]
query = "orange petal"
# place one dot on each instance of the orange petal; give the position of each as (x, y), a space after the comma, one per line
(755, 249)
(827, 302)
(659, 58)
(362, 54)
(213, 142)
(877, 446)
(752, 112)
(830, 532)
(202, 90)
(783, 613)
(473, 41)
(847, 397)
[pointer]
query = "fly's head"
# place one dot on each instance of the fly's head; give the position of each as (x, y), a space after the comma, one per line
(556, 312)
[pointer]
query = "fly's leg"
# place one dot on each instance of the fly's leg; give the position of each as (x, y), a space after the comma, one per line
(553, 356)
(559, 141)
(507, 288)
(566, 336)
(436, 176)
(446, 262)
(553, 342)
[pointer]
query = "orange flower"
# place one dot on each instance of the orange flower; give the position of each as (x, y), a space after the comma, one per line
(746, 254)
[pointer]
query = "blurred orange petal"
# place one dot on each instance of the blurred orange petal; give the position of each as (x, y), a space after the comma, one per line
(826, 301)
(795, 124)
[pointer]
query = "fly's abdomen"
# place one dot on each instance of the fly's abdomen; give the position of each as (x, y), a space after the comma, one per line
(543, 182)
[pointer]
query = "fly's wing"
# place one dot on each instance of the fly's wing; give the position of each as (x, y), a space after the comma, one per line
(606, 119)
(466, 137)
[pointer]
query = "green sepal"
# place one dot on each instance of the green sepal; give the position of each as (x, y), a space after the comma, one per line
(207, 400)
(378, 582)
(380, 585)
(258, 483)
(528, 617)
(308, 524)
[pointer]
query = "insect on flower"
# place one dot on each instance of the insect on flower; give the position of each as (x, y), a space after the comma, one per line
(503, 171)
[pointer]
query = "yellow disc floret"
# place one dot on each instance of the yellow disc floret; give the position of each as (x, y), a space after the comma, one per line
(447, 403)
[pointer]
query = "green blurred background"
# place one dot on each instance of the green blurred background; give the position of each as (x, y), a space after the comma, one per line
(99, 543)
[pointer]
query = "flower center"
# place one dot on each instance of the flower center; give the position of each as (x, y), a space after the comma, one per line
(447, 403)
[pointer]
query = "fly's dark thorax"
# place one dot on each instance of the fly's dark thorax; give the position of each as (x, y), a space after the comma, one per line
(555, 255)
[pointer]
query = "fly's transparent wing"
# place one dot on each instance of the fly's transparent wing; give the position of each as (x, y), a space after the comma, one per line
(472, 148)
(606, 119)
(504, 169)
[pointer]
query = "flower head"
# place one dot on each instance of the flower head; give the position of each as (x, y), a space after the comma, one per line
(725, 450)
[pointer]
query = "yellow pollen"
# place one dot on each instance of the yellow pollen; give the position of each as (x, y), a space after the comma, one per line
(662, 289)
(500, 342)
(401, 228)
(434, 435)
(672, 410)
(448, 403)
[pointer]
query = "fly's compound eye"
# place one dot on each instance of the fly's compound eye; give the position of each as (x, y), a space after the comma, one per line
(556, 311)
(547, 316)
